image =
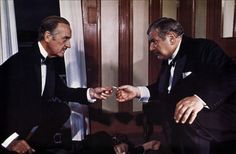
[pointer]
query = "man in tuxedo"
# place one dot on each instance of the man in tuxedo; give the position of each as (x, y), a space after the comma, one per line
(196, 90)
(32, 93)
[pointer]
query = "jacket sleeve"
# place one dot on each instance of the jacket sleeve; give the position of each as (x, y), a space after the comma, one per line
(70, 94)
(213, 76)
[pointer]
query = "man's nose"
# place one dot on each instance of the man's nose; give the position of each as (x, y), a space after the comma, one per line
(68, 44)
(152, 46)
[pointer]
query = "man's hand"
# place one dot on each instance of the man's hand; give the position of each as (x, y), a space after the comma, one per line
(187, 109)
(100, 92)
(20, 147)
(126, 93)
(151, 145)
(121, 148)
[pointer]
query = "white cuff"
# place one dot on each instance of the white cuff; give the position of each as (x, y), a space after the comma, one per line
(204, 104)
(89, 97)
(144, 94)
(8, 141)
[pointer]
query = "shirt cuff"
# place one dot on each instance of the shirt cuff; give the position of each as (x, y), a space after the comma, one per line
(89, 97)
(8, 141)
(144, 94)
(204, 104)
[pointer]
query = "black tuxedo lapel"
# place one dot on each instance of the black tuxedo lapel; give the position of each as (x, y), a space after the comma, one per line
(49, 89)
(163, 77)
(180, 59)
(180, 63)
(37, 67)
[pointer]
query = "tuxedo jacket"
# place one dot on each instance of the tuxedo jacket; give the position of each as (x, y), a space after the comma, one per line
(21, 100)
(203, 69)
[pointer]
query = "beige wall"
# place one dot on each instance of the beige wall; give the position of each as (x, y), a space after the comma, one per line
(140, 46)
(109, 49)
(200, 22)
(170, 8)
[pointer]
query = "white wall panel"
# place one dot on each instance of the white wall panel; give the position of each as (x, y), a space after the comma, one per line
(109, 49)
(140, 46)
(228, 11)
(200, 23)
(170, 8)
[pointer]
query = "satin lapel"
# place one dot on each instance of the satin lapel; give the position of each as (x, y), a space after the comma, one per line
(36, 61)
(180, 63)
(37, 69)
(52, 79)
(162, 77)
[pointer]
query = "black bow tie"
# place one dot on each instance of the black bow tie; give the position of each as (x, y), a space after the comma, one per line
(172, 63)
(46, 60)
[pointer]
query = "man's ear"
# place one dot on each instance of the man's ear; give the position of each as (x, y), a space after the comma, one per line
(172, 37)
(47, 36)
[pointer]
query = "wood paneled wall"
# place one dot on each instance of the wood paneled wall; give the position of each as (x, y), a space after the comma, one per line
(186, 14)
(214, 29)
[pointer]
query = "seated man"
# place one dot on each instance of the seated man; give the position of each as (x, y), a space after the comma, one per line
(30, 87)
(195, 91)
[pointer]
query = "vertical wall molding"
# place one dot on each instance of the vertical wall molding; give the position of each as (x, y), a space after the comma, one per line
(125, 67)
(187, 8)
(214, 23)
(109, 49)
(155, 12)
(92, 42)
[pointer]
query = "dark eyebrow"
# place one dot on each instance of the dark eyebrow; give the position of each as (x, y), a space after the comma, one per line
(150, 38)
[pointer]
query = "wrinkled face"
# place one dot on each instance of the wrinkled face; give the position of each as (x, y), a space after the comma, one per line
(58, 41)
(163, 48)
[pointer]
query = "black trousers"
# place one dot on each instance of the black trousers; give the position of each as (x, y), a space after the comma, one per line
(98, 143)
(184, 140)
(193, 139)
(53, 116)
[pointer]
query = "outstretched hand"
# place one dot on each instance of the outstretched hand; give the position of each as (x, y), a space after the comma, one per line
(126, 93)
(100, 92)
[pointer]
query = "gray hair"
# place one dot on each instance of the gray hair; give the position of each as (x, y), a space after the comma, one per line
(50, 24)
(164, 25)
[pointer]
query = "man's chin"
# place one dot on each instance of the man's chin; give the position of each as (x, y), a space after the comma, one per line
(160, 57)
(61, 55)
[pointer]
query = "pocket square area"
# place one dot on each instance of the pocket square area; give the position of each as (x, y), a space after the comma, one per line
(185, 74)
